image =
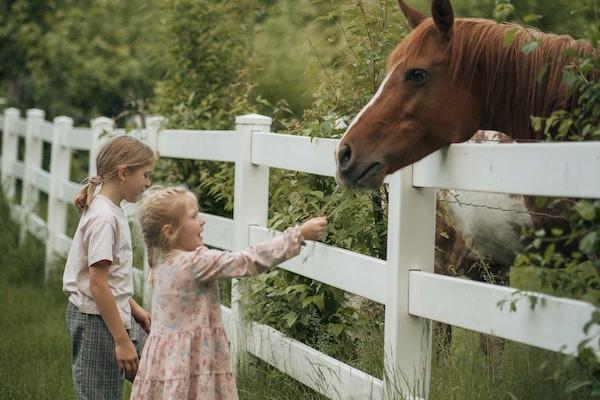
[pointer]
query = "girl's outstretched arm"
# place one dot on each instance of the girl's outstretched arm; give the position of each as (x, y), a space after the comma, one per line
(210, 264)
(214, 264)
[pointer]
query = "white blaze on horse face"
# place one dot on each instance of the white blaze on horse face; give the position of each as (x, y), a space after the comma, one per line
(369, 104)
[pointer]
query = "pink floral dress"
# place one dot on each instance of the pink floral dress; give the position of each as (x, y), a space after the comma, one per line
(187, 355)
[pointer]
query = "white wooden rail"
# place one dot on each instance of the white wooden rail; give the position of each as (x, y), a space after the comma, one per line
(404, 282)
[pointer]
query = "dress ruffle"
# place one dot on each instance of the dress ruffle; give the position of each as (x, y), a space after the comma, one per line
(205, 387)
(189, 364)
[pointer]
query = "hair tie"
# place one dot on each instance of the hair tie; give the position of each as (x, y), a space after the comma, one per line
(95, 180)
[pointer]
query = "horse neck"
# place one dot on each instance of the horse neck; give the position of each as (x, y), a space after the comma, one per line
(508, 79)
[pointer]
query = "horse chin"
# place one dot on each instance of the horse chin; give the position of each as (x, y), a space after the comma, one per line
(369, 181)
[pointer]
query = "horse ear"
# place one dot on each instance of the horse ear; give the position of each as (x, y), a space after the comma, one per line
(413, 17)
(443, 15)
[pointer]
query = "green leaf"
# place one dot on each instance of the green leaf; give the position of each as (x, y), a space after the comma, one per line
(290, 318)
(542, 73)
(564, 126)
(509, 37)
(586, 210)
(575, 386)
(541, 201)
(528, 19)
(502, 11)
(335, 329)
(549, 252)
(587, 244)
(569, 78)
(529, 47)
(556, 231)
(295, 288)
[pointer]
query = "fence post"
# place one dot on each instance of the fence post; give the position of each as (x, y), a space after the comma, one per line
(33, 161)
(101, 130)
(153, 126)
(10, 145)
(60, 166)
(410, 245)
(250, 207)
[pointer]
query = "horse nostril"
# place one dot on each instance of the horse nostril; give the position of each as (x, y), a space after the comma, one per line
(344, 155)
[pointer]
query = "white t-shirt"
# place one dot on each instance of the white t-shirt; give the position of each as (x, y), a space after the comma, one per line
(102, 234)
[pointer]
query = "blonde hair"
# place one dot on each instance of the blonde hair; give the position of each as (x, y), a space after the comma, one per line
(122, 150)
(161, 206)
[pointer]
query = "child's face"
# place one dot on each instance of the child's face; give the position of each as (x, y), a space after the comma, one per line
(191, 226)
(136, 182)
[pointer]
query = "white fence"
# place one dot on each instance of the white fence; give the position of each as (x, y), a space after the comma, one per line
(404, 283)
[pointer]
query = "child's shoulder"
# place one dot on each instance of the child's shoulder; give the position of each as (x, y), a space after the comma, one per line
(99, 212)
(179, 256)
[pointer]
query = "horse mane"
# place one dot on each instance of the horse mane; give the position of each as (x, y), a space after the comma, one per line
(512, 77)
(513, 90)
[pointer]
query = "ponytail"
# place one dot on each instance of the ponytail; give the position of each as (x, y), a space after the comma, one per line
(84, 197)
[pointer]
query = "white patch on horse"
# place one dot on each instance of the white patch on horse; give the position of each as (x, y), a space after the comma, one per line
(369, 104)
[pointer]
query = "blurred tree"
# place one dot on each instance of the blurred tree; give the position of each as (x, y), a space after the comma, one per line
(22, 23)
(291, 42)
(208, 48)
(81, 58)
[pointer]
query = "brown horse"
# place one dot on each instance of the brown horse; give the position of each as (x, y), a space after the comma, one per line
(447, 79)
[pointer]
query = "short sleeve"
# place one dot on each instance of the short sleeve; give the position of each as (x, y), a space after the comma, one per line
(99, 239)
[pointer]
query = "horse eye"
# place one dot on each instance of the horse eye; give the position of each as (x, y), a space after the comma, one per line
(416, 75)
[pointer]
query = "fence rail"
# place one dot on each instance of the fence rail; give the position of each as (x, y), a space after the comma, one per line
(404, 282)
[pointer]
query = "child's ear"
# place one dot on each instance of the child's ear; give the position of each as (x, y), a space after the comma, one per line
(168, 232)
(122, 173)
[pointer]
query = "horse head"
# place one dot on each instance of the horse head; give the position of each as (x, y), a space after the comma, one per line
(418, 109)
(447, 79)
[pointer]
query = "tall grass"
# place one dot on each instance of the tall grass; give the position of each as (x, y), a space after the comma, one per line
(34, 345)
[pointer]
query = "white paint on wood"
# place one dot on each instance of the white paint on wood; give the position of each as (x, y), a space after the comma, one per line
(198, 145)
(544, 169)
(78, 139)
(45, 131)
(554, 324)
(296, 153)
(18, 169)
(410, 244)
(218, 231)
(40, 179)
(37, 227)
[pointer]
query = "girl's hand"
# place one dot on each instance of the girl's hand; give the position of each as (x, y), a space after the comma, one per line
(141, 316)
(314, 228)
(144, 318)
(127, 356)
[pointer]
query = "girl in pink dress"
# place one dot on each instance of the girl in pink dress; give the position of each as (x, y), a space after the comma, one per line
(186, 355)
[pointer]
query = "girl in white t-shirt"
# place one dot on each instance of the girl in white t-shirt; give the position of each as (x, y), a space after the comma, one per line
(98, 273)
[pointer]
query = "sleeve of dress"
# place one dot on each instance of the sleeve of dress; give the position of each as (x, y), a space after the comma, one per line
(215, 264)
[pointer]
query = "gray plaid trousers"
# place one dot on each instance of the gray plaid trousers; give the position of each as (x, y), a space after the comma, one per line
(96, 374)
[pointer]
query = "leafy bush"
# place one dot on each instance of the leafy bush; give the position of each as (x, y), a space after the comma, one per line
(564, 260)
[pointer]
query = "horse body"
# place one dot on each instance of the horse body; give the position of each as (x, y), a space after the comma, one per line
(478, 236)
